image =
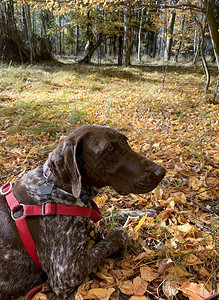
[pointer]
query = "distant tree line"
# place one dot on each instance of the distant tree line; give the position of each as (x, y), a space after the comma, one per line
(35, 30)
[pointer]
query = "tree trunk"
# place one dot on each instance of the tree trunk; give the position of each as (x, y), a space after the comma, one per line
(20, 45)
(11, 47)
(202, 36)
(168, 49)
(60, 35)
(204, 62)
(127, 37)
(181, 39)
(114, 46)
(196, 45)
(29, 32)
(46, 19)
(213, 29)
(139, 35)
(120, 50)
(90, 50)
(216, 94)
(76, 40)
(105, 45)
(110, 46)
(90, 42)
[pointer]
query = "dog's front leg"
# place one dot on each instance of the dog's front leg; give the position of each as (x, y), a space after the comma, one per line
(85, 262)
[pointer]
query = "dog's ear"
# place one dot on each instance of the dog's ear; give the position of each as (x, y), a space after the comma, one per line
(69, 153)
(63, 164)
(55, 163)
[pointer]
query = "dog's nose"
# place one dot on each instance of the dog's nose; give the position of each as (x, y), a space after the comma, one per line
(160, 172)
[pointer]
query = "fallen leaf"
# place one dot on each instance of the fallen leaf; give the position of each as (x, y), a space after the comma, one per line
(194, 183)
(195, 291)
(139, 286)
(126, 287)
(185, 227)
(107, 278)
(191, 259)
(148, 274)
(140, 223)
(147, 255)
(39, 296)
(169, 289)
(164, 264)
(78, 296)
(100, 200)
(138, 298)
(178, 274)
(99, 293)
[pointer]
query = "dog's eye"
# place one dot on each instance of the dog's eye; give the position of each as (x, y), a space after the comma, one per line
(110, 147)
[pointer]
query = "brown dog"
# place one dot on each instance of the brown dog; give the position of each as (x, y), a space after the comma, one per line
(90, 157)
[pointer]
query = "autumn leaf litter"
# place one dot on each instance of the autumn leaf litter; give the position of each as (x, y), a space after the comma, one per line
(173, 253)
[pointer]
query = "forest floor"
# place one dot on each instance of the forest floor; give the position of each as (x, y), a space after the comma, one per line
(175, 251)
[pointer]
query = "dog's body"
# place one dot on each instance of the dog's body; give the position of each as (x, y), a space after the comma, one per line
(92, 156)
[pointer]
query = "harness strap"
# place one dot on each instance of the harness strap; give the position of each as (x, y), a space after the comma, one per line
(48, 208)
(21, 223)
(32, 292)
(213, 297)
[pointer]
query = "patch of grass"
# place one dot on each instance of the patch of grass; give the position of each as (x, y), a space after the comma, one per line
(48, 116)
(53, 98)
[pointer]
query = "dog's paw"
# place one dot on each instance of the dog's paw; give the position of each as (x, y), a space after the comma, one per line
(119, 237)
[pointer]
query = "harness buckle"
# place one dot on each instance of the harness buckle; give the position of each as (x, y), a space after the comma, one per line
(44, 208)
(16, 209)
(7, 186)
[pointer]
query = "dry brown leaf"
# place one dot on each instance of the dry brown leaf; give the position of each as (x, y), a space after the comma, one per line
(185, 228)
(178, 274)
(195, 291)
(147, 255)
(182, 219)
(107, 278)
(136, 287)
(99, 293)
(148, 274)
(78, 296)
(39, 296)
(101, 199)
(177, 198)
(194, 183)
(164, 264)
(203, 271)
(139, 286)
(126, 287)
(169, 289)
(138, 298)
(192, 259)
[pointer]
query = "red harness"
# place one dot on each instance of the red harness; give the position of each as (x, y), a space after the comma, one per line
(48, 208)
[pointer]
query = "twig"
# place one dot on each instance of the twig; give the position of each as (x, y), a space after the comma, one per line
(210, 188)
(214, 277)
(203, 207)
(124, 215)
(196, 203)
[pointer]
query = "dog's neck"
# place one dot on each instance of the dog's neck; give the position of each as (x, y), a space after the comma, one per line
(86, 189)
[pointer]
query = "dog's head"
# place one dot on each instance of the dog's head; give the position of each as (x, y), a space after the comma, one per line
(100, 156)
